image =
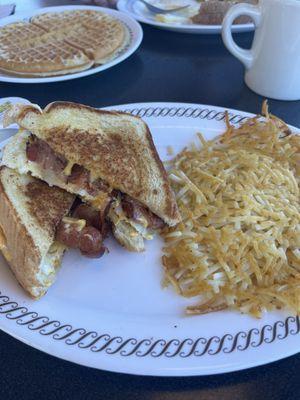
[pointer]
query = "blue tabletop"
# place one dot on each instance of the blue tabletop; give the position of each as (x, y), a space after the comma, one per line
(167, 67)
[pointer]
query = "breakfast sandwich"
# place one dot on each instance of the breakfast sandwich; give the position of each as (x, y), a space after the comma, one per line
(106, 158)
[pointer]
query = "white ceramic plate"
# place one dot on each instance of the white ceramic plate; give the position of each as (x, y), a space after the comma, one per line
(136, 36)
(139, 11)
(112, 313)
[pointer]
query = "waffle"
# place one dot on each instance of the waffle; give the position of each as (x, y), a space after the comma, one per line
(95, 33)
(60, 43)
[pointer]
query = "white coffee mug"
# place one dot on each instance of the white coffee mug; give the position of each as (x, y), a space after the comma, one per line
(273, 63)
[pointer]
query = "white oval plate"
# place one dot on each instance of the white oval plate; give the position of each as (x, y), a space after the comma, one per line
(136, 36)
(139, 11)
(112, 313)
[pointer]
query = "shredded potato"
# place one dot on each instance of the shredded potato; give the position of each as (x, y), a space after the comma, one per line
(238, 245)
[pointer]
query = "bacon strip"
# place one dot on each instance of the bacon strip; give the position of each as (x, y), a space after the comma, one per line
(39, 151)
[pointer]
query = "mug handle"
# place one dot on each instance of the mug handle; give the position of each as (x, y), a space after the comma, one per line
(254, 12)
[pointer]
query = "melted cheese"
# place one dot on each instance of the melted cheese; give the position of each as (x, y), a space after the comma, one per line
(68, 168)
(93, 175)
(100, 201)
(70, 222)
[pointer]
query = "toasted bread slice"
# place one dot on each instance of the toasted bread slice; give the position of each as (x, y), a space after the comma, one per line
(29, 213)
(113, 146)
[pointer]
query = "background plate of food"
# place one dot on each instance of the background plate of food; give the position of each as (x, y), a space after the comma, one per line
(66, 42)
(217, 293)
(204, 17)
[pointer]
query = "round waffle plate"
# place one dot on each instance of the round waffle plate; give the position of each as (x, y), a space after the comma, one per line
(135, 31)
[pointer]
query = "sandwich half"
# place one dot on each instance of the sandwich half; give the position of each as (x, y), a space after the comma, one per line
(37, 224)
(108, 159)
(30, 212)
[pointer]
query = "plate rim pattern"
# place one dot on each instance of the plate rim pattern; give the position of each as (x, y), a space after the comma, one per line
(111, 345)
